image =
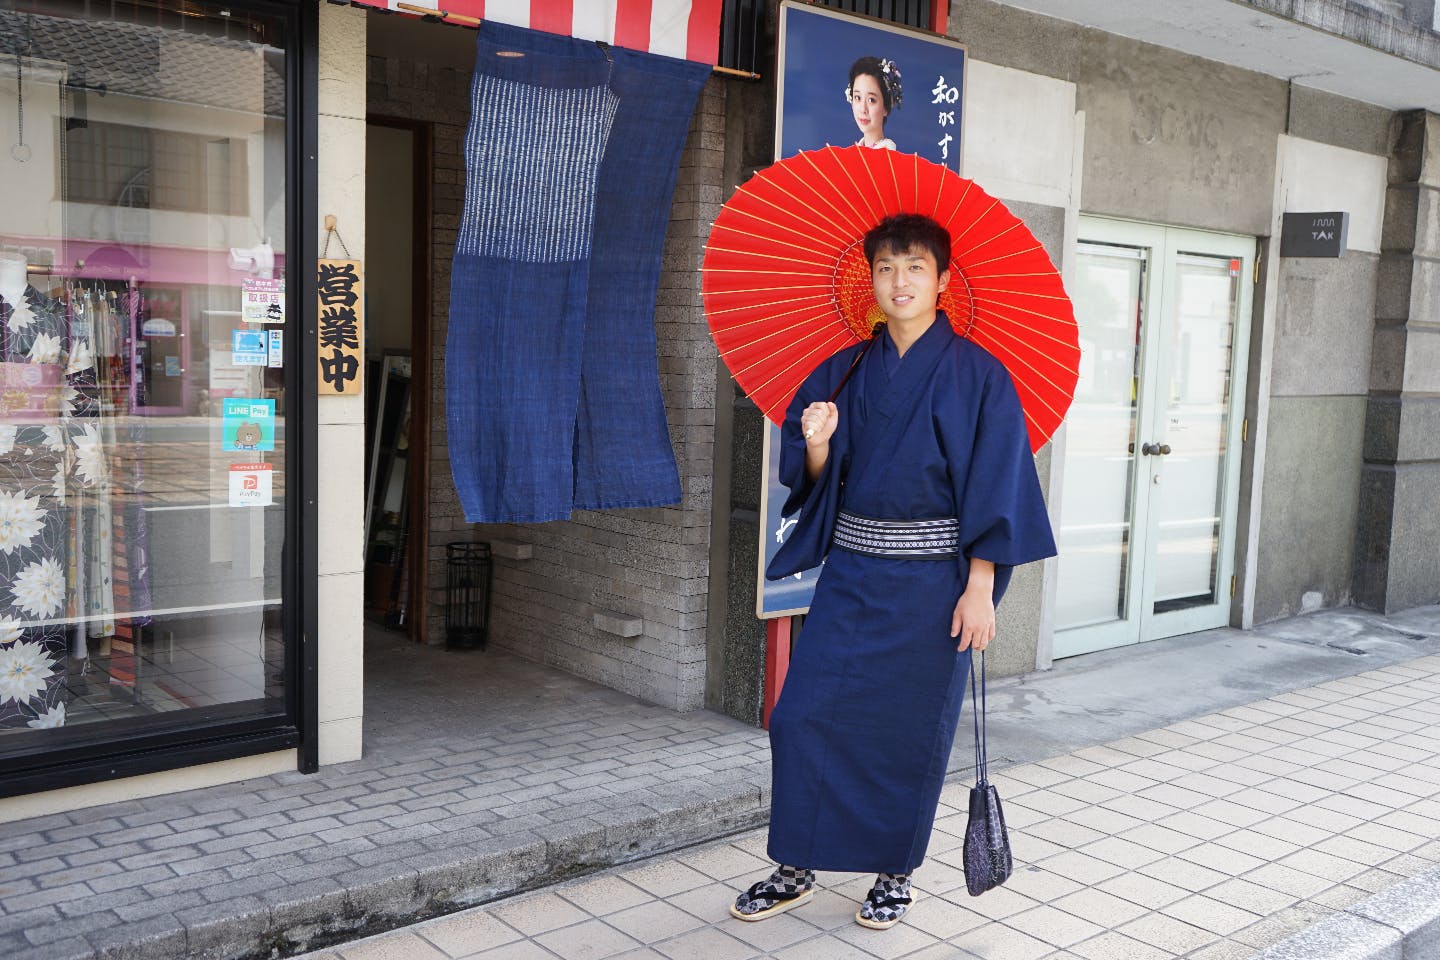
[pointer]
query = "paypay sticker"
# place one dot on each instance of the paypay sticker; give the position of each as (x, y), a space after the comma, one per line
(251, 485)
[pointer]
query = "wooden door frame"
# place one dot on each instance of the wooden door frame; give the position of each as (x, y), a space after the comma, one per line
(417, 480)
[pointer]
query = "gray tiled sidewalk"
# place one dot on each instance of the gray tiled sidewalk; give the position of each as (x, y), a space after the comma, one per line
(485, 775)
(482, 774)
(1211, 838)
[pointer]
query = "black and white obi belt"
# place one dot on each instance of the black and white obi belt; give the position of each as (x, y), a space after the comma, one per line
(937, 539)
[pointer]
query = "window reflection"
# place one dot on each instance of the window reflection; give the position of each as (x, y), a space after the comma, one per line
(139, 556)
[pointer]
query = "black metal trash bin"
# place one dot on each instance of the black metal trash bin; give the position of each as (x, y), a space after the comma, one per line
(468, 572)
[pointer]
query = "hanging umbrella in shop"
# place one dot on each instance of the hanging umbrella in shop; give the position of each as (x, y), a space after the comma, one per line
(786, 283)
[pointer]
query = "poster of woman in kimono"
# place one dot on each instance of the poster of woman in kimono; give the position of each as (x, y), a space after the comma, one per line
(824, 54)
(918, 79)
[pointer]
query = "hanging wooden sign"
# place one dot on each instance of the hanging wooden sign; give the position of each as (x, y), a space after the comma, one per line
(341, 288)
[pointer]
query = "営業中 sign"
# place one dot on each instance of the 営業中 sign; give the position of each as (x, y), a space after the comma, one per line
(341, 289)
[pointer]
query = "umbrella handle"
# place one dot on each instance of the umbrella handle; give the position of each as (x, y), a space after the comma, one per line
(874, 335)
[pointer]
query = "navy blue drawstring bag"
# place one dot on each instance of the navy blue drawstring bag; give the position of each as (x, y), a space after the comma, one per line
(988, 862)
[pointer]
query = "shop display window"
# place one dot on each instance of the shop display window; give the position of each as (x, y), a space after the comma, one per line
(145, 355)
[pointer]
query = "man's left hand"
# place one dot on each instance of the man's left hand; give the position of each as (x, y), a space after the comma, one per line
(974, 620)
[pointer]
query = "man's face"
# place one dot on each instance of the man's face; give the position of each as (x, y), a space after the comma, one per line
(907, 283)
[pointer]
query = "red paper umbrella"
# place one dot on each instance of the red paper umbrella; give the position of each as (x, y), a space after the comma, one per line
(786, 283)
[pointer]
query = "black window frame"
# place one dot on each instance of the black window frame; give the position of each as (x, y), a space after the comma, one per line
(214, 736)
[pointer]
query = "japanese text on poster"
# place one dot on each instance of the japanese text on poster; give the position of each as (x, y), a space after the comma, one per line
(341, 288)
(262, 301)
(945, 95)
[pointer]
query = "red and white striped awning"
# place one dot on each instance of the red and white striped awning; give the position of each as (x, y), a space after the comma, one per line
(686, 29)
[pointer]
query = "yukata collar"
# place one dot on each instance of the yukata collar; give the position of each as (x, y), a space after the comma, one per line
(918, 363)
(933, 336)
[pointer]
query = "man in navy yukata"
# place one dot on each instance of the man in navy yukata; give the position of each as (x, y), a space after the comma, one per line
(918, 489)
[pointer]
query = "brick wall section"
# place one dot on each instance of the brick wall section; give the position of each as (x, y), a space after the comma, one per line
(650, 565)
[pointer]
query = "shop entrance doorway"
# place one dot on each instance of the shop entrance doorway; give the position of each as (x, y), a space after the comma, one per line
(397, 351)
(1147, 511)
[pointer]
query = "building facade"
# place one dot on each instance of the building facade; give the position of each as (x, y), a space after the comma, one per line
(1294, 399)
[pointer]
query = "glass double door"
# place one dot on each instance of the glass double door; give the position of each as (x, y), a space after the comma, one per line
(1152, 448)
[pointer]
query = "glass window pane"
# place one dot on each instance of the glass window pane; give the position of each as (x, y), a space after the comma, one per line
(1197, 409)
(1094, 536)
(142, 417)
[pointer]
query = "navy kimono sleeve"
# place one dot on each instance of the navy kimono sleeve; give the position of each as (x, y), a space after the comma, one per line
(818, 500)
(792, 447)
(1002, 512)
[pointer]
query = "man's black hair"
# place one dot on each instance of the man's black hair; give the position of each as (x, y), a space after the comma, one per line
(907, 231)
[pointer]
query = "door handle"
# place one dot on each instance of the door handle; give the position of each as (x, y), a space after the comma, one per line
(1150, 449)
(1164, 449)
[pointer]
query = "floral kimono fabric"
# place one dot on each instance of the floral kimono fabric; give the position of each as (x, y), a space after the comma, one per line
(50, 450)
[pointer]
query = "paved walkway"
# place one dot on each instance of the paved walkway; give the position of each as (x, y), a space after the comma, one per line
(483, 774)
(1211, 838)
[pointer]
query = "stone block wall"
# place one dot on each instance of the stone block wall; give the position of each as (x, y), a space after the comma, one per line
(1397, 554)
(582, 584)
(1320, 365)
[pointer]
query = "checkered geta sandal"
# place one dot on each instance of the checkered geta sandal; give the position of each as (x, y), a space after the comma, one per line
(785, 889)
(886, 903)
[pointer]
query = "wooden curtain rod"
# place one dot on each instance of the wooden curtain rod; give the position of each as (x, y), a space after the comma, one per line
(464, 21)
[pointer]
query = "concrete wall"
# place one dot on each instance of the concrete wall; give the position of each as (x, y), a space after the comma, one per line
(1401, 28)
(561, 588)
(1156, 151)
(1319, 378)
(1022, 643)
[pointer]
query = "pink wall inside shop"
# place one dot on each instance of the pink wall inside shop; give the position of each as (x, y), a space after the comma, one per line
(147, 263)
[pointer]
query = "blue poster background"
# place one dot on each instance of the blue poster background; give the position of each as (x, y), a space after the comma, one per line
(819, 48)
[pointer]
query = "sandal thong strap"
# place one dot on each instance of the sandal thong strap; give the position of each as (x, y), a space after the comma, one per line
(889, 902)
(756, 893)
